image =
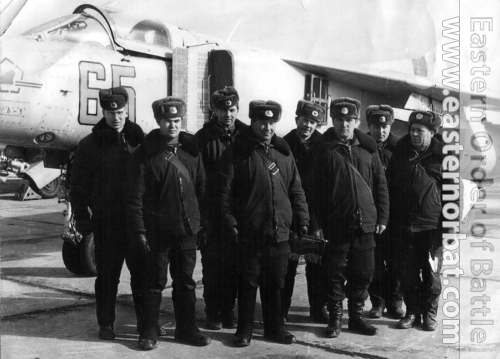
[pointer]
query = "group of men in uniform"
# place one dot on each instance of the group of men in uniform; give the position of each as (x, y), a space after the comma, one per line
(239, 193)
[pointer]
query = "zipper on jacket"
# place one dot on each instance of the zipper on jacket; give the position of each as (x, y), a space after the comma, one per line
(419, 160)
(355, 187)
(181, 192)
(273, 194)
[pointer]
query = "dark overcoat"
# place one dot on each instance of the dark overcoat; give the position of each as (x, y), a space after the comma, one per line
(161, 200)
(98, 172)
(415, 186)
(260, 206)
(347, 201)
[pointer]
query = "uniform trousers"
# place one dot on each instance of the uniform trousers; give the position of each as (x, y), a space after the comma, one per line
(110, 241)
(385, 288)
(268, 272)
(316, 286)
(420, 283)
(178, 252)
(220, 276)
(353, 266)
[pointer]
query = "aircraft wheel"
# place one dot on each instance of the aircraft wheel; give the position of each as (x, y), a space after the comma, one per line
(71, 258)
(49, 191)
(87, 255)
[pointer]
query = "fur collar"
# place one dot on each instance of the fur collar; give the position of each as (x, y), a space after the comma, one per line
(153, 143)
(436, 146)
(106, 135)
(330, 139)
(291, 137)
(391, 141)
(214, 131)
(247, 143)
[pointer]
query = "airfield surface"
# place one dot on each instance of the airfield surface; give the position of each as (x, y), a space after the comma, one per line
(47, 312)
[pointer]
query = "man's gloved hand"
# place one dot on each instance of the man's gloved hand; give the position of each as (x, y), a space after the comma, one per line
(140, 246)
(318, 233)
(234, 235)
(83, 226)
(201, 239)
(303, 231)
(380, 228)
(312, 258)
(294, 257)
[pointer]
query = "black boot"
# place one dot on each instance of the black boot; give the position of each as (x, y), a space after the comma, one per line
(228, 320)
(356, 322)
(149, 312)
(138, 311)
(378, 307)
(395, 311)
(430, 323)
(409, 321)
(274, 327)
(319, 314)
(186, 331)
(213, 322)
(246, 308)
(335, 321)
(106, 332)
(148, 344)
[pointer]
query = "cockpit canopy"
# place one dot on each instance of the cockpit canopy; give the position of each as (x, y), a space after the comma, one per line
(80, 29)
(92, 26)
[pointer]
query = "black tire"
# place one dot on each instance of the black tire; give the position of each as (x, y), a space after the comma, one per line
(49, 191)
(87, 255)
(71, 258)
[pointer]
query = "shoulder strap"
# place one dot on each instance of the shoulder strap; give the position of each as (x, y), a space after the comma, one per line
(174, 160)
(355, 170)
(273, 170)
(421, 166)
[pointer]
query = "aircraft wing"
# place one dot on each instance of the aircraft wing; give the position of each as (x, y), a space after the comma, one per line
(391, 83)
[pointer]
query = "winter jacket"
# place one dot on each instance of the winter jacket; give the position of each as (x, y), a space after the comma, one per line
(386, 148)
(254, 200)
(302, 154)
(415, 186)
(213, 142)
(98, 171)
(161, 198)
(345, 202)
(300, 150)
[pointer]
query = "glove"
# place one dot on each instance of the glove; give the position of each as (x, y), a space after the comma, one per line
(302, 231)
(318, 233)
(312, 258)
(294, 257)
(83, 226)
(201, 239)
(140, 246)
(234, 235)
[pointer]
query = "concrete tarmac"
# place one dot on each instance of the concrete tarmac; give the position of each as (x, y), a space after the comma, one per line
(48, 312)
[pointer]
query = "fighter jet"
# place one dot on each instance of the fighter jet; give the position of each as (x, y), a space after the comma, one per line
(50, 77)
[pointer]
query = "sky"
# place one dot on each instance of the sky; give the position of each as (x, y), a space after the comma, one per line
(353, 31)
(384, 34)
